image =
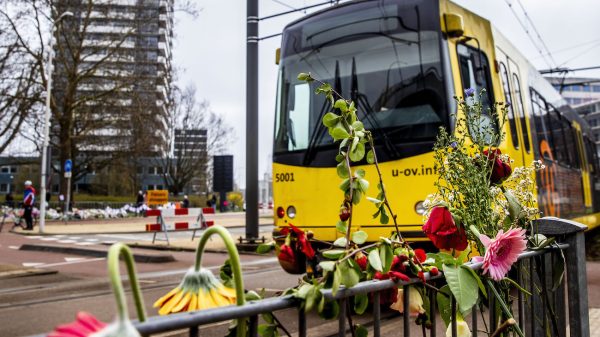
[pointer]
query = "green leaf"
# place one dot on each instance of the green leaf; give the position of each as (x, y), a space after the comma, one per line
(305, 77)
(358, 126)
(444, 304)
(514, 207)
(341, 227)
(337, 280)
(358, 153)
(463, 286)
(340, 242)
(327, 265)
(360, 173)
(370, 156)
(330, 119)
(356, 196)
(558, 271)
(387, 256)
(384, 219)
(360, 330)
(265, 248)
(339, 158)
(334, 254)
(342, 170)
(339, 132)
(354, 144)
(345, 185)
(330, 310)
(313, 298)
(267, 330)
(350, 276)
(303, 290)
(479, 283)
(359, 237)
(375, 260)
(341, 104)
(374, 200)
(363, 184)
(361, 301)
(324, 88)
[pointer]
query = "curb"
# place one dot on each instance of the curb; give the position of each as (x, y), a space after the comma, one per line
(26, 272)
(37, 233)
(188, 249)
(138, 257)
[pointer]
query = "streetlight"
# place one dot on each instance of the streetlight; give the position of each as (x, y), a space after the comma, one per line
(47, 123)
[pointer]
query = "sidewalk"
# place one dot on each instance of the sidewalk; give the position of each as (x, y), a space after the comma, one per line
(130, 225)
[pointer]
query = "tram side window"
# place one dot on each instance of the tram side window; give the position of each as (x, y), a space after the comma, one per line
(592, 155)
(560, 148)
(543, 131)
(511, 114)
(571, 142)
(521, 111)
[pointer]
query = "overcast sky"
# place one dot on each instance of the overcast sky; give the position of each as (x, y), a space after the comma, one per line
(211, 50)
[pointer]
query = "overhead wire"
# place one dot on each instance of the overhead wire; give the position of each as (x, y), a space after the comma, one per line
(539, 36)
(570, 48)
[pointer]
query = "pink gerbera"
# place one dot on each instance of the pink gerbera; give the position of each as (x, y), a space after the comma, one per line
(502, 251)
(85, 325)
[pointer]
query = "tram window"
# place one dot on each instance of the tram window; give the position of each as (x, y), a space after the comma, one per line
(560, 148)
(571, 142)
(511, 114)
(521, 111)
(543, 131)
(474, 71)
(299, 124)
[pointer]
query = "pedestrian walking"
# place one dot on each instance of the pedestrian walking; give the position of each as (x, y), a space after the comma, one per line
(186, 202)
(140, 199)
(28, 201)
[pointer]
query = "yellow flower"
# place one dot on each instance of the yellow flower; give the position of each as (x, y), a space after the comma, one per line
(198, 290)
(414, 299)
(462, 329)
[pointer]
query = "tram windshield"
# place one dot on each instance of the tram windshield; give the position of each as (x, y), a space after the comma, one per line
(385, 57)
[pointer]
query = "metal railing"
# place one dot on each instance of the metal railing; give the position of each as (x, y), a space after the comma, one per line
(567, 303)
(536, 315)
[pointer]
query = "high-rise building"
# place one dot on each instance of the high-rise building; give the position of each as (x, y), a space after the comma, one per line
(127, 46)
(190, 143)
(577, 90)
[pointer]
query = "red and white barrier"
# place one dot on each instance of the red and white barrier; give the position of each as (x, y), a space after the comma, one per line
(165, 222)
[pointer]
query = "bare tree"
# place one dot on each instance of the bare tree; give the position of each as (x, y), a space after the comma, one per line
(95, 78)
(198, 134)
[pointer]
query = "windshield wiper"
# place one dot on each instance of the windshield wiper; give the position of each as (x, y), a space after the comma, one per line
(361, 99)
(320, 128)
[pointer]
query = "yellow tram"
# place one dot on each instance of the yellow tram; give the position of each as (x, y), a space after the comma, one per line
(402, 62)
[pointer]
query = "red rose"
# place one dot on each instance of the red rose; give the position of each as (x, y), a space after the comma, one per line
(361, 259)
(420, 255)
(398, 263)
(443, 232)
(500, 169)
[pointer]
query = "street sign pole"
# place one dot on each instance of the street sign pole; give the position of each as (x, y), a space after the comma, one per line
(68, 173)
(252, 120)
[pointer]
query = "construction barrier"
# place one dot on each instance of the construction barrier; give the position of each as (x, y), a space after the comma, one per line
(166, 220)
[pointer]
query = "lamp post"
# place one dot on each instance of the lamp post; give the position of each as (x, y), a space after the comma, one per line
(47, 123)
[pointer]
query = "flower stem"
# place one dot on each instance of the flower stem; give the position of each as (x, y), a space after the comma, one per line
(117, 250)
(234, 258)
(504, 307)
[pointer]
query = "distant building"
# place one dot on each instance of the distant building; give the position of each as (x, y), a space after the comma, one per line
(591, 113)
(138, 35)
(577, 90)
(190, 143)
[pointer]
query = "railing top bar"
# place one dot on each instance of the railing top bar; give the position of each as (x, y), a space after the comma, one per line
(185, 320)
(554, 226)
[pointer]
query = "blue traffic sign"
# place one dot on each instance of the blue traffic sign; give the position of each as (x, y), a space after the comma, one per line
(68, 165)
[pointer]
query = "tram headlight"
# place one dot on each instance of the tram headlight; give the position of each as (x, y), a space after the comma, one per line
(291, 212)
(420, 208)
(280, 212)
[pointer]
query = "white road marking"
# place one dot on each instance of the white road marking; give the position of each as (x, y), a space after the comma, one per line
(49, 239)
(34, 236)
(14, 247)
(109, 242)
(66, 241)
(32, 264)
(74, 237)
(59, 236)
(72, 262)
(91, 240)
(183, 271)
(84, 243)
(71, 259)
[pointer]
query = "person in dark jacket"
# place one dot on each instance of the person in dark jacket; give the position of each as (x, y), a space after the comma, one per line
(28, 201)
(186, 202)
(140, 199)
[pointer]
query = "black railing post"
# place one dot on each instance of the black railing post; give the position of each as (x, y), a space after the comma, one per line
(573, 235)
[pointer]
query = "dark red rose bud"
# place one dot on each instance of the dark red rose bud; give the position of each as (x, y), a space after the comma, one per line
(344, 213)
(361, 259)
(286, 257)
(310, 235)
(421, 275)
(434, 271)
(500, 170)
(420, 255)
(443, 232)
(380, 276)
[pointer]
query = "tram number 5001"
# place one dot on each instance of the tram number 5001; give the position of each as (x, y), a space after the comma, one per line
(284, 177)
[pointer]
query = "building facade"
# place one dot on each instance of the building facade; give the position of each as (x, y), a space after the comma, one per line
(591, 113)
(127, 47)
(577, 90)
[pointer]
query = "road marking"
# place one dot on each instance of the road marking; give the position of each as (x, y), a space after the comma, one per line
(109, 242)
(49, 239)
(183, 271)
(84, 243)
(71, 262)
(74, 237)
(14, 247)
(91, 240)
(34, 236)
(71, 259)
(66, 241)
(32, 264)
(59, 236)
